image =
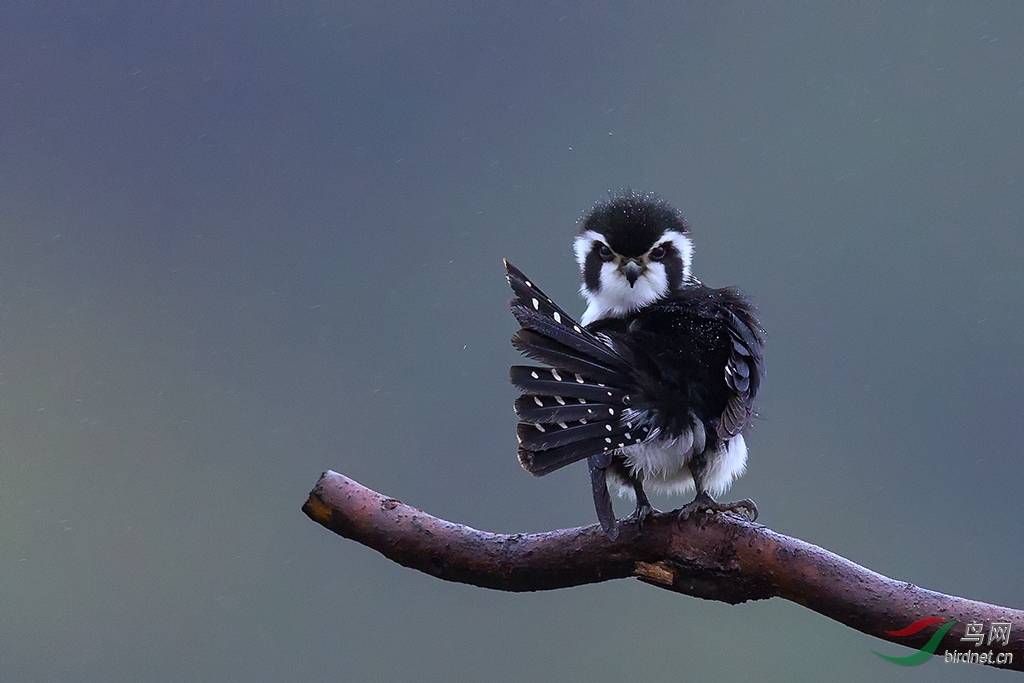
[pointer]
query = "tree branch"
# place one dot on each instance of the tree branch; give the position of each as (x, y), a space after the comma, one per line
(716, 557)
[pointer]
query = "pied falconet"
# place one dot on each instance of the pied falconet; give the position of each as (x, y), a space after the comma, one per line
(655, 385)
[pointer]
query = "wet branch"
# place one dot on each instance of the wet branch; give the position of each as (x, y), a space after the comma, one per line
(716, 557)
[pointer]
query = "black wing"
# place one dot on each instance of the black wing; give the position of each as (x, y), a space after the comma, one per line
(695, 355)
(744, 368)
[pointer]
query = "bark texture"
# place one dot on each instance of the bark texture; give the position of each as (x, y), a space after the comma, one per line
(715, 557)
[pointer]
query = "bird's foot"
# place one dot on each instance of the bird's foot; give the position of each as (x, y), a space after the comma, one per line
(642, 512)
(703, 502)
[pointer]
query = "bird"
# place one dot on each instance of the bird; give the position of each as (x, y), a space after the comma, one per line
(654, 386)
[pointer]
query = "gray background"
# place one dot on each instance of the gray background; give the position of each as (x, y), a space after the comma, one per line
(241, 243)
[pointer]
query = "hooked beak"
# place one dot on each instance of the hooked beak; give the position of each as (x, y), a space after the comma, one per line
(632, 270)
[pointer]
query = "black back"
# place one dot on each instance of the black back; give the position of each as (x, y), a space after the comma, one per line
(696, 351)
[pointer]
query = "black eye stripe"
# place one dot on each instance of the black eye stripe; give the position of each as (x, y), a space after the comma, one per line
(673, 265)
(592, 269)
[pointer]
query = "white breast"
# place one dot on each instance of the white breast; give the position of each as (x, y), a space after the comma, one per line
(661, 466)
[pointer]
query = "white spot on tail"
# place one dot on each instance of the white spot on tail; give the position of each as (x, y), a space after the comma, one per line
(536, 305)
(557, 317)
(554, 373)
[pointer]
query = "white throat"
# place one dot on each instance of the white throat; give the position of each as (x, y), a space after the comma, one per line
(615, 296)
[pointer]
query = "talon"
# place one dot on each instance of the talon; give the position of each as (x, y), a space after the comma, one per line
(748, 507)
(700, 503)
(703, 502)
(642, 513)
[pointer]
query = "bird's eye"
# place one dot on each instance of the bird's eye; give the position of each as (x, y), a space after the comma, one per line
(657, 253)
(605, 253)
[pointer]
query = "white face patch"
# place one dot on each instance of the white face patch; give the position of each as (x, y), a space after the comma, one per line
(616, 296)
(684, 245)
(582, 245)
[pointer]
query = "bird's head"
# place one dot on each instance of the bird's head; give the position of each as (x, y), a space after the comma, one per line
(632, 250)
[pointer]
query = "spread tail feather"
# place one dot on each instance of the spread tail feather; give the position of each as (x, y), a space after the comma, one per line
(536, 311)
(579, 407)
(546, 350)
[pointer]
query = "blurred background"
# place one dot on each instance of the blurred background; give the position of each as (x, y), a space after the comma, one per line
(245, 242)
